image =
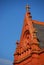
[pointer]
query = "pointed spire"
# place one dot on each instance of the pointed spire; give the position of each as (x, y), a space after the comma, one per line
(28, 11)
(27, 8)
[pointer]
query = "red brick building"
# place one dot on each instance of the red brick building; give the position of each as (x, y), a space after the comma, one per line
(30, 48)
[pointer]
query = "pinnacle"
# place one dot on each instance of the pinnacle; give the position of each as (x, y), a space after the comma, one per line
(27, 8)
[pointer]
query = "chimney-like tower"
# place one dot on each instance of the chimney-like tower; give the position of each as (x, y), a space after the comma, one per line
(28, 51)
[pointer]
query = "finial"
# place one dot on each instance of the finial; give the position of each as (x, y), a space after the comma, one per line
(27, 7)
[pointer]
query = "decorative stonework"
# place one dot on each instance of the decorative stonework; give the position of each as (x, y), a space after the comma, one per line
(28, 51)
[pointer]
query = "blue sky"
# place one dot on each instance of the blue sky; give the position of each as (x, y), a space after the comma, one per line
(12, 14)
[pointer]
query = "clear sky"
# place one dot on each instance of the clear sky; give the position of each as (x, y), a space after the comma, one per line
(12, 14)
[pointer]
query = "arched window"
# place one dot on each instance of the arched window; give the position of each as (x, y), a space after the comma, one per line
(26, 34)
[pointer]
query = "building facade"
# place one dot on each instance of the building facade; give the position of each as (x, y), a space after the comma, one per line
(30, 48)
